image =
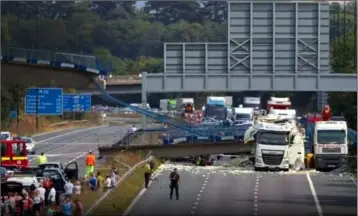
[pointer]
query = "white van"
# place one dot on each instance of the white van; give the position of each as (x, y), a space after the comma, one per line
(5, 135)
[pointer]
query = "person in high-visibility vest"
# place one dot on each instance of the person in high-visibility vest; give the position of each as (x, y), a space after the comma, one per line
(41, 159)
(90, 163)
(147, 174)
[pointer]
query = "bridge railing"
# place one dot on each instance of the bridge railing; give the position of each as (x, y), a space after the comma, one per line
(89, 61)
(160, 136)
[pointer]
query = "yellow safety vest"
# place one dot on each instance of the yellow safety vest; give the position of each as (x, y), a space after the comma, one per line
(41, 159)
(148, 167)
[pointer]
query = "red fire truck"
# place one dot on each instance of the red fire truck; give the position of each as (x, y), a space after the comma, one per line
(14, 154)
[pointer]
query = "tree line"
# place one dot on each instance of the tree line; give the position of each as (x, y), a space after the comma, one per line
(130, 39)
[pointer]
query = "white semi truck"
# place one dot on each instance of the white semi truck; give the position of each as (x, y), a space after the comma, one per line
(218, 107)
(252, 102)
(278, 103)
(277, 143)
(242, 115)
(330, 142)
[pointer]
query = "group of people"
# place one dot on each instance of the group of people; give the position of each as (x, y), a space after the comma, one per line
(41, 200)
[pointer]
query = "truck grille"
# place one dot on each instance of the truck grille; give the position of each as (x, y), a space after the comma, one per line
(325, 150)
(271, 159)
(331, 159)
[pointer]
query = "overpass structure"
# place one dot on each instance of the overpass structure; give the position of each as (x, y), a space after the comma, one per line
(180, 150)
(44, 68)
(118, 85)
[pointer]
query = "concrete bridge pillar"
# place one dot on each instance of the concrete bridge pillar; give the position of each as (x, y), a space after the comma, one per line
(144, 99)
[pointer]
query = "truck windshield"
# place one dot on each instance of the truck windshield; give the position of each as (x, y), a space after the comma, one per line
(272, 137)
(4, 136)
(331, 137)
(217, 111)
(243, 116)
(250, 105)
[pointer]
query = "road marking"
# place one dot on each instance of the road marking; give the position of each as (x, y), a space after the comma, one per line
(256, 197)
(65, 134)
(314, 194)
(354, 181)
(199, 194)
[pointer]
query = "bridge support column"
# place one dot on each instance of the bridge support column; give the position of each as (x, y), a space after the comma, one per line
(144, 99)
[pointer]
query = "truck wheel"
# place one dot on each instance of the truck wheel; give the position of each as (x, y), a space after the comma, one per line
(257, 169)
(285, 170)
(218, 157)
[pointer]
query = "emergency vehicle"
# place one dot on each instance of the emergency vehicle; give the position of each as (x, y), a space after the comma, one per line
(14, 154)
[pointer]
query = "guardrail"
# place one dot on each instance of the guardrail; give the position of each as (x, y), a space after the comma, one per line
(58, 124)
(165, 136)
(88, 60)
(42, 56)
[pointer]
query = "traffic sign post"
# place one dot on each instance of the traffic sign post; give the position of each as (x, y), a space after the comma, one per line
(77, 103)
(43, 101)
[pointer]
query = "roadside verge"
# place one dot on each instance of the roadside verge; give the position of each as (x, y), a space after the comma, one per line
(118, 199)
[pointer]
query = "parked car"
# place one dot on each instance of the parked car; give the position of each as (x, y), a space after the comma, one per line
(30, 144)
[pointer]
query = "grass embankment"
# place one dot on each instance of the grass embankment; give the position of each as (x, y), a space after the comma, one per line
(27, 124)
(147, 138)
(121, 197)
(122, 162)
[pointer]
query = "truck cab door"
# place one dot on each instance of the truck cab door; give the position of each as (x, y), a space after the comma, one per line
(295, 150)
(71, 171)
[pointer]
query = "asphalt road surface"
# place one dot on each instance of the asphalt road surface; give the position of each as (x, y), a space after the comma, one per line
(217, 190)
(73, 145)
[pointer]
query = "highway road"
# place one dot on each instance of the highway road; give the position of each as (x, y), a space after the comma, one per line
(206, 191)
(72, 145)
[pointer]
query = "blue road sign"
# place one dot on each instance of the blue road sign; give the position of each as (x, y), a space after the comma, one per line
(77, 102)
(49, 101)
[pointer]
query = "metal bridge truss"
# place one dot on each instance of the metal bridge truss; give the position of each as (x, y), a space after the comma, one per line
(307, 53)
(240, 53)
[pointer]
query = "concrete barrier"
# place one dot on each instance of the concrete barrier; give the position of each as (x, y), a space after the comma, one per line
(181, 150)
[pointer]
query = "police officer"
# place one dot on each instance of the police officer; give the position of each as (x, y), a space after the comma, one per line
(41, 159)
(174, 183)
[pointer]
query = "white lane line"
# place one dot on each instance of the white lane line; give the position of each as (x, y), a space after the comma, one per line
(66, 134)
(354, 181)
(314, 194)
(256, 206)
(199, 194)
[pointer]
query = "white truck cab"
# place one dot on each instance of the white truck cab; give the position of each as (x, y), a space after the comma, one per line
(330, 142)
(243, 115)
(278, 103)
(253, 102)
(278, 146)
(284, 113)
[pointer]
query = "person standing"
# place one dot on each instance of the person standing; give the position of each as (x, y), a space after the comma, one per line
(147, 174)
(174, 183)
(41, 159)
(90, 163)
